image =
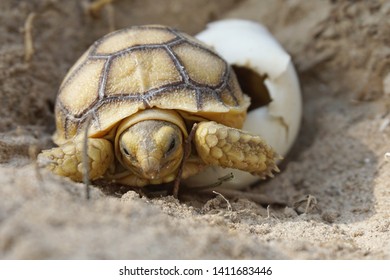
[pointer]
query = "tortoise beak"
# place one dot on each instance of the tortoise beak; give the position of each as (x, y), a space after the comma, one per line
(150, 168)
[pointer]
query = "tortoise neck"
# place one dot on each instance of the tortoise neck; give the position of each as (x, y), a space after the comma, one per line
(153, 114)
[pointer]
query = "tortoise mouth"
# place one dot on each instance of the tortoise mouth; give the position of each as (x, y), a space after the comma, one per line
(252, 84)
(166, 169)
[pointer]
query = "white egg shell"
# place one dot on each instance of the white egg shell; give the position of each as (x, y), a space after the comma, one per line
(249, 44)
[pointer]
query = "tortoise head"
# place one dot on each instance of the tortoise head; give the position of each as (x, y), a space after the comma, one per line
(151, 149)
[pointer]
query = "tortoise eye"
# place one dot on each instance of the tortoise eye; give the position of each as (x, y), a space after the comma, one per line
(126, 152)
(172, 145)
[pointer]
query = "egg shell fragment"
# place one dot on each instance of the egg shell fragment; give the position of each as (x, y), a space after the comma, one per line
(249, 44)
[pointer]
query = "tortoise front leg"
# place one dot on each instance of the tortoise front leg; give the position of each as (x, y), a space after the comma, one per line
(224, 146)
(67, 159)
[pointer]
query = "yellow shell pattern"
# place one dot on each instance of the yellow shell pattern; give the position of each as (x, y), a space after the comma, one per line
(144, 67)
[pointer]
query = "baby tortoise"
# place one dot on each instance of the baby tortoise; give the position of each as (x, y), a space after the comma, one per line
(141, 90)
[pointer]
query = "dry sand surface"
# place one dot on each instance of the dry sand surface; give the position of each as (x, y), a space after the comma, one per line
(342, 53)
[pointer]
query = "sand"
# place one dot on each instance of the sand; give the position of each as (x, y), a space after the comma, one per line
(342, 54)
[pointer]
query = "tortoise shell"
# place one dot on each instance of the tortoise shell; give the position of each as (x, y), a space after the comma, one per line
(142, 67)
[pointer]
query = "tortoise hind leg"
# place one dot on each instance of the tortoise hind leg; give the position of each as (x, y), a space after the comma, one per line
(67, 159)
(224, 146)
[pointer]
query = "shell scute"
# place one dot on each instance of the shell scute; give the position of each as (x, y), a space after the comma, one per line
(192, 56)
(140, 71)
(81, 90)
(131, 37)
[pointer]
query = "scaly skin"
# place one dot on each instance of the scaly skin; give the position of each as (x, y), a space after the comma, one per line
(67, 159)
(229, 147)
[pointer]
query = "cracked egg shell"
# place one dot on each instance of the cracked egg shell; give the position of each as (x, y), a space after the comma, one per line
(248, 45)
